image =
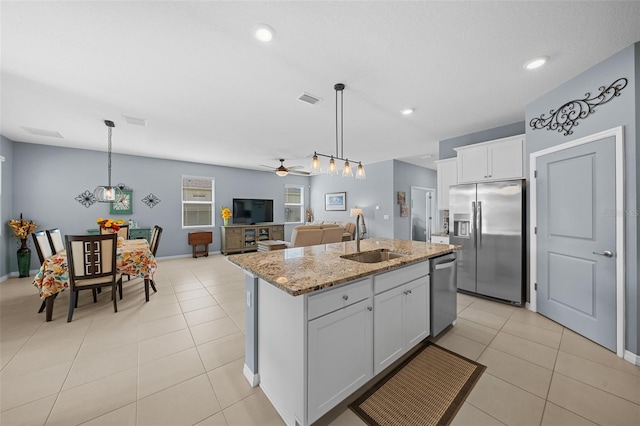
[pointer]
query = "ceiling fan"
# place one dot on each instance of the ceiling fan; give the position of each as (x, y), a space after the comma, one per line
(283, 171)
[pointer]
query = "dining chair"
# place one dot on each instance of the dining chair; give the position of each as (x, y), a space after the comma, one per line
(153, 246)
(55, 239)
(122, 232)
(92, 264)
(43, 246)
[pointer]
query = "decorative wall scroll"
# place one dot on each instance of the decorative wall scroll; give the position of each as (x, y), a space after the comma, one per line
(151, 200)
(567, 116)
(86, 198)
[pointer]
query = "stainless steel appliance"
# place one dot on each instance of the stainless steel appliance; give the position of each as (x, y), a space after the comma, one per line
(489, 223)
(443, 292)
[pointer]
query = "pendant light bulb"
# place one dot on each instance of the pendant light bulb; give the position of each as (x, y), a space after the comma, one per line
(333, 170)
(346, 172)
(360, 174)
(315, 164)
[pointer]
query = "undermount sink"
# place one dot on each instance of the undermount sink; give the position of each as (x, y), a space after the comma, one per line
(373, 256)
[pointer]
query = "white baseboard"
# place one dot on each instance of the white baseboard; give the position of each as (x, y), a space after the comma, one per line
(254, 379)
(527, 306)
(632, 358)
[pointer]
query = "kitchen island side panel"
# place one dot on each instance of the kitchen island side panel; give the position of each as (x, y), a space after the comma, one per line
(281, 353)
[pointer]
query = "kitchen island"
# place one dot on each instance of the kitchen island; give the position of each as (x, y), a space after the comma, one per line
(320, 325)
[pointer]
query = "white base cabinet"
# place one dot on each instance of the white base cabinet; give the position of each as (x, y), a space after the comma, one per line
(340, 345)
(315, 350)
(400, 319)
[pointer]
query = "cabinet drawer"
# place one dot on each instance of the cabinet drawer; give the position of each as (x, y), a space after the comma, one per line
(439, 240)
(389, 280)
(139, 233)
(337, 298)
(233, 231)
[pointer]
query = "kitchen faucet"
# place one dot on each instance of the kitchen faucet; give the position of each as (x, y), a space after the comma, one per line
(364, 230)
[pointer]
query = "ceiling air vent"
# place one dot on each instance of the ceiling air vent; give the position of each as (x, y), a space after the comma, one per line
(42, 132)
(135, 121)
(310, 99)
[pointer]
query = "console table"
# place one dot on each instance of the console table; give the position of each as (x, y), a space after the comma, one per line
(245, 238)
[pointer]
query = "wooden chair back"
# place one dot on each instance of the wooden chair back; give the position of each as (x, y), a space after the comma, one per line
(91, 260)
(122, 232)
(43, 247)
(55, 239)
(155, 239)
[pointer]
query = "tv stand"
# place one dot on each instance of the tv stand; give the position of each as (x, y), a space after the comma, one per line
(244, 238)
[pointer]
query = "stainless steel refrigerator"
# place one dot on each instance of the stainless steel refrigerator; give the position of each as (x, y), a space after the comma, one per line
(489, 223)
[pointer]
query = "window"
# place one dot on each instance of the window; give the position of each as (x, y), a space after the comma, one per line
(293, 203)
(197, 201)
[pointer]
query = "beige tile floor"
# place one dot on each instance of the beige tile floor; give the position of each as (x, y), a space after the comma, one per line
(178, 359)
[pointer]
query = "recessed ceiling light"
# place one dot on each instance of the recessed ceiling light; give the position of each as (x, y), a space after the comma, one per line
(407, 111)
(263, 32)
(536, 62)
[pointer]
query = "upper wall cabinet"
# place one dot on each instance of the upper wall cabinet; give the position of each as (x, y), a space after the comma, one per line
(494, 160)
(447, 176)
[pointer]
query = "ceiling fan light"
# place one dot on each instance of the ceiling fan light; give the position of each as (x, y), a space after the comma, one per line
(360, 174)
(347, 172)
(282, 172)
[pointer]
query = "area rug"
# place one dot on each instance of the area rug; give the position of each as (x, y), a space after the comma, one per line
(426, 389)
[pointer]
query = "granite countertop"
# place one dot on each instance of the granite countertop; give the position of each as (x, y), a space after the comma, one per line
(303, 270)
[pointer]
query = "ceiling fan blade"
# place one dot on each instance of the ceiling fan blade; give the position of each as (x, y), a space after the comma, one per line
(268, 167)
(295, 167)
(298, 172)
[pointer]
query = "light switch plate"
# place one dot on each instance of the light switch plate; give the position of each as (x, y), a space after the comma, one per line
(248, 299)
(386, 217)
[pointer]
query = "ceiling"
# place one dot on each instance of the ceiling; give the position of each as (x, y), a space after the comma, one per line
(212, 93)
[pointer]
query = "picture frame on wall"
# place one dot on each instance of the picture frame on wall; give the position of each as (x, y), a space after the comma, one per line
(335, 201)
(402, 197)
(125, 206)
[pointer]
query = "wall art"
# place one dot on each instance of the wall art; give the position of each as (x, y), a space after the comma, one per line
(86, 198)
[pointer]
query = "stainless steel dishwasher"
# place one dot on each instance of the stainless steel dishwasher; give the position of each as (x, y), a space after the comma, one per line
(443, 292)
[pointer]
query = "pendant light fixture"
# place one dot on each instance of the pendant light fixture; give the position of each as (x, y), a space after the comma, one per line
(332, 170)
(107, 194)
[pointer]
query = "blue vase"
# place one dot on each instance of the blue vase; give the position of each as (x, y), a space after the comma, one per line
(24, 259)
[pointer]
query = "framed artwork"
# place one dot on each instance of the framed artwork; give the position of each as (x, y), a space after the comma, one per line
(125, 206)
(404, 210)
(402, 197)
(335, 201)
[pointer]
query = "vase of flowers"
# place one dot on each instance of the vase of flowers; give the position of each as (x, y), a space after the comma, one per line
(22, 229)
(109, 225)
(225, 212)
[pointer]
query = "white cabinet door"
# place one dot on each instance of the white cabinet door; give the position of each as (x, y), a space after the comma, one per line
(439, 240)
(505, 160)
(472, 164)
(447, 176)
(416, 311)
(389, 342)
(340, 347)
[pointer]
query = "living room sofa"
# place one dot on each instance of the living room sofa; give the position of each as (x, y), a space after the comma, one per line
(317, 233)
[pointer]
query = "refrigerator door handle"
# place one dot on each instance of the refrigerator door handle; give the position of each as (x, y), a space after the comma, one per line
(479, 226)
(473, 223)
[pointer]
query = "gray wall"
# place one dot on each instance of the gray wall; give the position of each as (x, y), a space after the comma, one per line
(446, 146)
(405, 176)
(376, 190)
(8, 244)
(621, 111)
(51, 177)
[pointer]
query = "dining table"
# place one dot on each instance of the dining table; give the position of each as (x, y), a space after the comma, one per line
(133, 258)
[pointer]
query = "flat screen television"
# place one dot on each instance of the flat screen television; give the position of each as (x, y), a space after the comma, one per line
(252, 210)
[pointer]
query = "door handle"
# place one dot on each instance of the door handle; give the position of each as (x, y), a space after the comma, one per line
(479, 227)
(473, 208)
(605, 253)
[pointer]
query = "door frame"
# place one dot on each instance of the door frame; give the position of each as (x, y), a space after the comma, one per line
(434, 218)
(618, 134)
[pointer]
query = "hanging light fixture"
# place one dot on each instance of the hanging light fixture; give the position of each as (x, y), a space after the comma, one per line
(332, 170)
(107, 194)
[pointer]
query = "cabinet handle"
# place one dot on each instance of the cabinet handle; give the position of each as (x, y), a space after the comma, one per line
(408, 291)
(345, 297)
(369, 308)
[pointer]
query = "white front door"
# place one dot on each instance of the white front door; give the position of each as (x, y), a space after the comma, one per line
(576, 239)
